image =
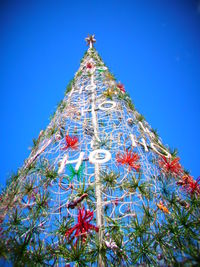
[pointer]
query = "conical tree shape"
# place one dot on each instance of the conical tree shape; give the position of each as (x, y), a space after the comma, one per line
(99, 188)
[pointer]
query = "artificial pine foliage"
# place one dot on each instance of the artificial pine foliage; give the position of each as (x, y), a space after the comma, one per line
(99, 188)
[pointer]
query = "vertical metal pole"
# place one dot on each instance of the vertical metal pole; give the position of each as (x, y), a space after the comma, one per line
(99, 215)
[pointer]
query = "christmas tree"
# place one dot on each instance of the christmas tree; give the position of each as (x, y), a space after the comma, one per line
(99, 187)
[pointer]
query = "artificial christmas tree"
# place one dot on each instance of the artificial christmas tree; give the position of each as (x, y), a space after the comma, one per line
(99, 188)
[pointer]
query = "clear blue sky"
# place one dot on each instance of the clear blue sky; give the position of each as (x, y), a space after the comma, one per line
(152, 47)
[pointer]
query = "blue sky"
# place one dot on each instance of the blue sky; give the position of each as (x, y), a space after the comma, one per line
(152, 47)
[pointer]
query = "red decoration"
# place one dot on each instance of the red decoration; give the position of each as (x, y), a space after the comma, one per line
(129, 158)
(170, 166)
(83, 225)
(193, 186)
(189, 184)
(72, 142)
(89, 65)
(121, 87)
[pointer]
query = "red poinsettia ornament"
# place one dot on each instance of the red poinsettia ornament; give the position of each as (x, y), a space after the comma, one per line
(193, 187)
(89, 65)
(129, 158)
(121, 87)
(71, 142)
(83, 225)
(189, 184)
(170, 166)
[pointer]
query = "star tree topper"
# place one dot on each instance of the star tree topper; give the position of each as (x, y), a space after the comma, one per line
(90, 40)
